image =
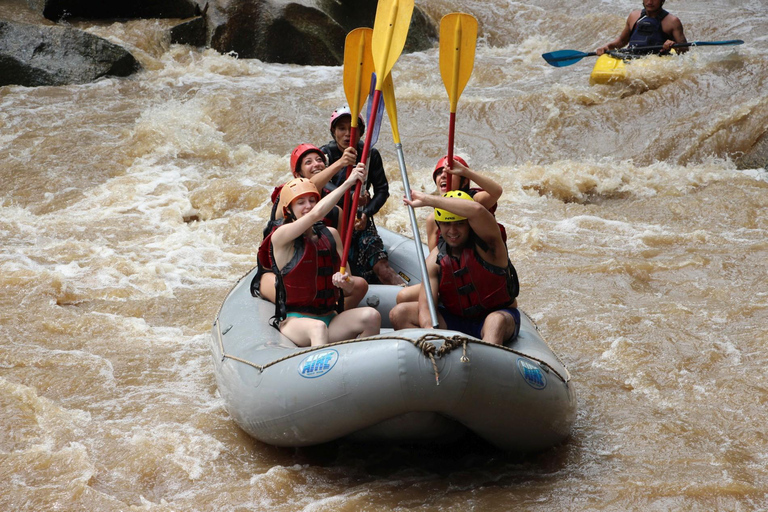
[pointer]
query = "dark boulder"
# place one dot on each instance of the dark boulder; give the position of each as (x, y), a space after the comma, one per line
(34, 55)
(111, 9)
(757, 156)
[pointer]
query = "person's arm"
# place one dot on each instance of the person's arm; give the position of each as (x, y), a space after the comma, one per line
(433, 271)
(480, 220)
(378, 179)
(491, 192)
(284, 236)
(674, 27)
(623, 38)
(321, 179)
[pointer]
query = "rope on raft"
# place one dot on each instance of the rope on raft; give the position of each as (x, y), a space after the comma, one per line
(424, 343)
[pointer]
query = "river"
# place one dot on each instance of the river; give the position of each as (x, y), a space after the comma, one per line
(130, 207)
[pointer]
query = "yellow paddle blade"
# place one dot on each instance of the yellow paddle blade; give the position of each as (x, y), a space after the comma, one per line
(458, 38)
(388, 91)
(358, 67)
(393, 19)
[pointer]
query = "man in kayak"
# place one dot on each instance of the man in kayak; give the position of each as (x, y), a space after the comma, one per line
(650, 26)
(487, 194)
(469, 271)
(368, 257)
(307, 161)
(306, 258)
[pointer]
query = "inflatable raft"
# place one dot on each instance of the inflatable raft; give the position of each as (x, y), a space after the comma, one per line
(408, 385)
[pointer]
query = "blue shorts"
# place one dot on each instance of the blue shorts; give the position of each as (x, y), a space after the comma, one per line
(324, 318)
(473, 326)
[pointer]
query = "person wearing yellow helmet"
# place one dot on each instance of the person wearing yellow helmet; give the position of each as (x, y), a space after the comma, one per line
(469, 272)
(306, 257)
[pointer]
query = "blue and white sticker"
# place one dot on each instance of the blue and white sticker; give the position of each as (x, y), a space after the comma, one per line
(532, 373)
(318, 364)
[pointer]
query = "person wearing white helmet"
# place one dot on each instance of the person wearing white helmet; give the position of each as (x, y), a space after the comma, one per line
(368, 257)
(649, 26)
(469, 272)
(306, 257)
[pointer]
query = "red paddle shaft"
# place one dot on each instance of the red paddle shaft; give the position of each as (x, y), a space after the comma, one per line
(356, 196)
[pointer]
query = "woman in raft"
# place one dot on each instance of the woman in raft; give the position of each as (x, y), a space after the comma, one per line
(306, 256)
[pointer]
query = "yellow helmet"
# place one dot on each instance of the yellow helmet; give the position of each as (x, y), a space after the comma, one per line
(294, 189)
(446, 216)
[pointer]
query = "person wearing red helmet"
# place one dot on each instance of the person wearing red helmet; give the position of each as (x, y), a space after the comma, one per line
(368, 257)
(307, 161)
(306, 257)
(469, 272)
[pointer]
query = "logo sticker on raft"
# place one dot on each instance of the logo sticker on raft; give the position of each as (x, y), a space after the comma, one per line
(318, 363)
(532, 374)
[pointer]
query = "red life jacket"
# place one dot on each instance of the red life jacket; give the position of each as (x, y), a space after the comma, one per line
(305, 284)
(471, 287)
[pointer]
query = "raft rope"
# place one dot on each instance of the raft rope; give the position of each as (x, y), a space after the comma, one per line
(424, 343)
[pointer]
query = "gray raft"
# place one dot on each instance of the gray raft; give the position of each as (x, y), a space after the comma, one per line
(407, 385)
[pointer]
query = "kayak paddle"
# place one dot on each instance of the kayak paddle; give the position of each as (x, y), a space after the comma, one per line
(358, 67)
(390, 28)
(458, 38)
(562, 58)
(389, 102)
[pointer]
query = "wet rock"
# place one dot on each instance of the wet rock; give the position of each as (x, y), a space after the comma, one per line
(310, 32)
(193, 32)
(757, 157)
(34, 55)
(101, 9)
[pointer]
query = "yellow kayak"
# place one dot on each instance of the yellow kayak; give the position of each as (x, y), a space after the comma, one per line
(607, 69)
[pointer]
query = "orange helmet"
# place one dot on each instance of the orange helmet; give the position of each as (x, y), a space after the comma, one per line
(443, 162)
(299, 152)
(294, 189)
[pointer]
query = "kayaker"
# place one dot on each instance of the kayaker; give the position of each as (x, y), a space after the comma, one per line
(307, 161)
(306, 258)
(487, 194)
(650, 26)
(368, 257)
(469, 271)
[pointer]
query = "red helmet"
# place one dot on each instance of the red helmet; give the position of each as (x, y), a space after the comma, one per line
(344, 111)
(298, 154)
(294, 189)
(443, 162)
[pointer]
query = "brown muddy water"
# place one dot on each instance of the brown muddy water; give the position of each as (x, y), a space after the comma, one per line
(130, 207)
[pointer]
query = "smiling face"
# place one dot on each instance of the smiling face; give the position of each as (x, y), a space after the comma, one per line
(311, 164)
(443, 181)
(302, 205)
(455, 234)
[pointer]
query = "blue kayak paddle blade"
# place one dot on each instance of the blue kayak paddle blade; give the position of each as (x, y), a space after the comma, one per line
(562, 58)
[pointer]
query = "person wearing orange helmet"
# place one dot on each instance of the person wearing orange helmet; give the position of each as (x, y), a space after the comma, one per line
(307, 161)
(306, 258)
(469, 272)
(649, 26)
(368, 257)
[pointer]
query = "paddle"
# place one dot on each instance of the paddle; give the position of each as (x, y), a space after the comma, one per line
(389, 101)
(358, 68)
(458, 38)
(375, 129)
(562, 58)
(390, 28)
